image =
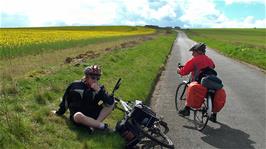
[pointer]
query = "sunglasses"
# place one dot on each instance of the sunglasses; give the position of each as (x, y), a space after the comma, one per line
(95, 78)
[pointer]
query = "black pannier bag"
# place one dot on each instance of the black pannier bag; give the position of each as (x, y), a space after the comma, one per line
(128, 131)
(144, 115)
(212, 82)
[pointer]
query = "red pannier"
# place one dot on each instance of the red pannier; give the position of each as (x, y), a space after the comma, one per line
(219, 100)
(195, 95)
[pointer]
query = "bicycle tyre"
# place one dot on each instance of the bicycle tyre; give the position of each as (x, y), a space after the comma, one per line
(201, 117)
(180, 100)
(165, 127)
(154, 133)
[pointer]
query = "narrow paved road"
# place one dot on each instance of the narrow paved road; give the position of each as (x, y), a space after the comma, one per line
(241, 123)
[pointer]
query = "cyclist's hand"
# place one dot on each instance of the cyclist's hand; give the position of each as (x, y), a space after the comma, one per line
(180, 66)
(95, 86)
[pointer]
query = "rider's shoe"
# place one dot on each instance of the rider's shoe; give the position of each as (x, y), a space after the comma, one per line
(90, 130)
(213, 118)
(107, 129)
(60, 111)
(184, 112)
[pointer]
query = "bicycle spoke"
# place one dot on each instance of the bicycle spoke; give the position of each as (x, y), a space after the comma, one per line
(201, 118)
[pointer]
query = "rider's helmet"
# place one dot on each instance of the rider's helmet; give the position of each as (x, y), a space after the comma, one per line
(92, 70)
(199, 47)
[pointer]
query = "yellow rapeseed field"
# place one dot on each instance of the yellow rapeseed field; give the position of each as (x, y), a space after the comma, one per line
(17, 39)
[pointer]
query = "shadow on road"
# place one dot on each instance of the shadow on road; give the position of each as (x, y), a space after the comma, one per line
(226, 137)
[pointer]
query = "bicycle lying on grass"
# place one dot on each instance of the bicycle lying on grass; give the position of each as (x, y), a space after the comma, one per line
(202, 114)
(140, 123)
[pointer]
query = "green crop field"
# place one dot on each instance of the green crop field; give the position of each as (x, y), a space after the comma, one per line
(32, 84)
(248, 45)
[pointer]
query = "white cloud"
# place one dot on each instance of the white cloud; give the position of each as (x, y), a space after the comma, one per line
(86, 12)
(184, 13)
(133, 23)
(203, 16)
(228, 2)
(68, 11)
(143, 9)
(165, 11)
(245, 23)
(200, 13)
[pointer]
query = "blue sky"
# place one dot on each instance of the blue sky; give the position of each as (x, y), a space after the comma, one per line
(239, 11)
(183, 13)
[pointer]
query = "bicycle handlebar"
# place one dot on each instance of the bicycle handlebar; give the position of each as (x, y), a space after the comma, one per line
(180, 66)
(116, 86)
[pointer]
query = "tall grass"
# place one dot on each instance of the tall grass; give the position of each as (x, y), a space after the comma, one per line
(137, 66)
(247, 45)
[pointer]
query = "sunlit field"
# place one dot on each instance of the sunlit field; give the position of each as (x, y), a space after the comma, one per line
(23, 41)
(35, 75)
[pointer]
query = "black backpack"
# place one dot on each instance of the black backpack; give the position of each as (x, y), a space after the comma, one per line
(206, 72)
(208, 78)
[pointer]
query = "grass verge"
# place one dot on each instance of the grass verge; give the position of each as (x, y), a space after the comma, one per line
(25, 117)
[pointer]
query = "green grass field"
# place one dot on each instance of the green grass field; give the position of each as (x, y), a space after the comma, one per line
(248, 45)
(26, 102)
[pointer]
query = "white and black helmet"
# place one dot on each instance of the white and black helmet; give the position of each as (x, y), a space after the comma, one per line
(199, 47)
(93, 70)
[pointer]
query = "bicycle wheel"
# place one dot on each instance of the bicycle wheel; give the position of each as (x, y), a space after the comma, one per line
(180, 96)
(156, 134)
(201, 117)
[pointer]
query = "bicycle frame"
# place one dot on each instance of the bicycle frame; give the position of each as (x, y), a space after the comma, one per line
(127, 108)
(150, 126)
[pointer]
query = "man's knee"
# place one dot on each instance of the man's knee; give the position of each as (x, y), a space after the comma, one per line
(111, 106)
(79, 117)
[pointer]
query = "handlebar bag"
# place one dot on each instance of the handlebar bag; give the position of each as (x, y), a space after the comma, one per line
(144, 115)
(212, 82)
(128, 131)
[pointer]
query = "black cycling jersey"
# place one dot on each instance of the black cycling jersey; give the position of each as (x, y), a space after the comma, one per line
(79, 98)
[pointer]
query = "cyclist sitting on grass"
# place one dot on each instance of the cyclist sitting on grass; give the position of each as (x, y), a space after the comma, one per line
(82, 98)
(195, 66)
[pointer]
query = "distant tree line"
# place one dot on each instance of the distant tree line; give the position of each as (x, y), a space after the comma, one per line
(158, 27)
